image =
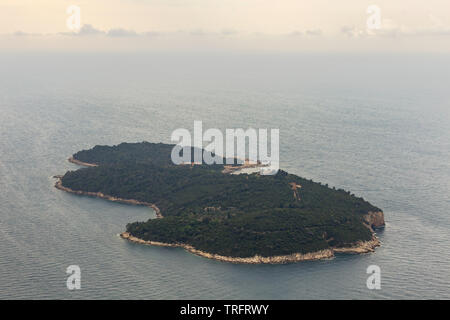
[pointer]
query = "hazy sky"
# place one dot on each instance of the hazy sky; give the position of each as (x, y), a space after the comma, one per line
(280, 25)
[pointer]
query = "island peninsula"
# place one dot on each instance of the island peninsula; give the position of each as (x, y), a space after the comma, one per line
(207, 210)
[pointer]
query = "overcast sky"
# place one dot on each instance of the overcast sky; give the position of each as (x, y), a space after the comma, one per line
(272, 25)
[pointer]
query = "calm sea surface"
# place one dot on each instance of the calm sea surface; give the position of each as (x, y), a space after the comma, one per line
(376, 125)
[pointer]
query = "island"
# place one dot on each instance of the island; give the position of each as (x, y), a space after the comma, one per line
(213, 212)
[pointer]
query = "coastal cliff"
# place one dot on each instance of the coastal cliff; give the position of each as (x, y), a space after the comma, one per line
(58, 185)
(81, 163)
(375, 220)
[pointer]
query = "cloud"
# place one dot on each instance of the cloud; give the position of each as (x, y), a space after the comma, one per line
(88, 29)
(25, 34)
(119, 32)
(353, 32)
(435, 32)
(202, 33)
(198, 33)
(296, 33)
(85, 30)
(228, 32)
(20, 34)
(314, 32)
(389, 28)
(411, 32)
(151, 34)
(309, 33)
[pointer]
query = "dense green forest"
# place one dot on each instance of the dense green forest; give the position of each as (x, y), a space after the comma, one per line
(144, 152)
(233, 215)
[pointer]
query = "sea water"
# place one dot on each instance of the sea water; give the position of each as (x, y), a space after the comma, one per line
(377, 125)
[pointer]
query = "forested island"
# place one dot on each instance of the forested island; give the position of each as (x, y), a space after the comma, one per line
(246, 218)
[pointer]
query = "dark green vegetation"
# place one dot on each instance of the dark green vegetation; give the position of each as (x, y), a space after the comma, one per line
(231, 215)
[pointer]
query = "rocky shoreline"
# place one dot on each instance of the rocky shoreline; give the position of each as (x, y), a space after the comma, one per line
(374, 220)
(358, 248)
(58, 185)
(81, 163)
